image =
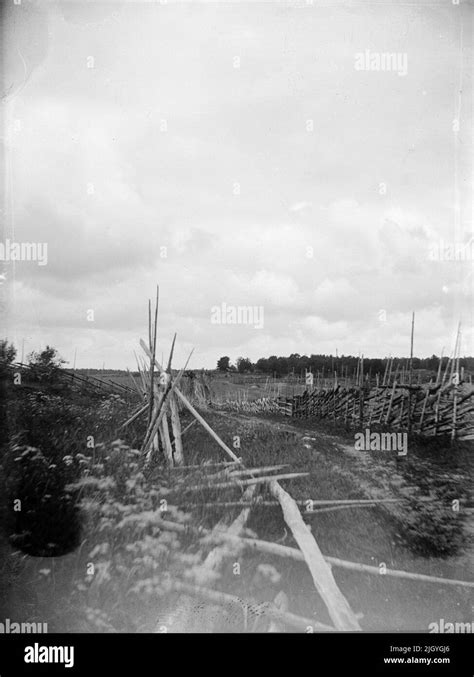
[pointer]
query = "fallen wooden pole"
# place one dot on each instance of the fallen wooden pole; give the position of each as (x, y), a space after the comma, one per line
(281, 603)
(231, 473)
(338, 607)
(215, 558)
(258, 502)
(307, 512)
(244, 483)
(205, 466)
(340, 507)
(294, 553)
(256, 471)
(267, 609)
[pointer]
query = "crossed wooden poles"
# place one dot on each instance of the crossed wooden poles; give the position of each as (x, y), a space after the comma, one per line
(161, 401)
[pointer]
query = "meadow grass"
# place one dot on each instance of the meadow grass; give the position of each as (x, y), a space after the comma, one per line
(113, 572)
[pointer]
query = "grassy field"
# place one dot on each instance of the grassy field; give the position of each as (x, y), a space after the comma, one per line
(413, 537)
(85, 553)
(245, 387)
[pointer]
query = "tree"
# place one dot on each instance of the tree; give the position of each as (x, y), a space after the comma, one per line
(244, 365)
(7, 356)
(7, 352)
(223, 363)
(49, 358)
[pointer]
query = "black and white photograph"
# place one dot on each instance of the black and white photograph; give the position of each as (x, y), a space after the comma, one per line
(236, 329)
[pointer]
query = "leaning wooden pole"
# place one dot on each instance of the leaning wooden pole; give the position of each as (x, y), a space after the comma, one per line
(410, 378)
(176, 427)
(150, 335)
(338, 607)
(152, 330)
(384, 382)
(422, 417)
(453, 364)
(166, 440)
(438, 376)
(207, 427)
(455, 382)
(387, 416)
(159, 410)
(196, 414)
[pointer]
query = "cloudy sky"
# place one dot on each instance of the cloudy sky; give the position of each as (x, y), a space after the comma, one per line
(233, 153)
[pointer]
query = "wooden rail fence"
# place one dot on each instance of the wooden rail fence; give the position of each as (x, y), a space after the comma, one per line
(427, 411)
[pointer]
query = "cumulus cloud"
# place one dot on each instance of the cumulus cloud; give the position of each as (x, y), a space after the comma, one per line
(232, 154)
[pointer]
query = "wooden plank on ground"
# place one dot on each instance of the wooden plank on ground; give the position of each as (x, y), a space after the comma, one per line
(338, 607)
(244, 483)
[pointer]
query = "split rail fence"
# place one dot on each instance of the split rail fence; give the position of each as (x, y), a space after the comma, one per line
(427, 411)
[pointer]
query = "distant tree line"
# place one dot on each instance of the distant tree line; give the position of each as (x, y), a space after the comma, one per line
(342, 364)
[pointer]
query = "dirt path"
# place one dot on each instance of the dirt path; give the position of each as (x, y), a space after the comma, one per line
(421, 533)
(383, 475)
